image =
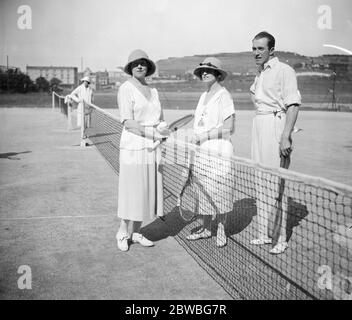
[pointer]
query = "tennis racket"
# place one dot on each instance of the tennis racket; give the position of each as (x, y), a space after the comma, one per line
(276, 220)
(174, 126)
(187, 201)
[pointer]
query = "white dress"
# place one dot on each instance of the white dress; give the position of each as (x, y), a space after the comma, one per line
(212, 166)
(79, 94)
(140, 193)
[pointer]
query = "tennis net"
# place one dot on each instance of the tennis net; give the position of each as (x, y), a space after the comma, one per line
(58, 101)
(67, 107)
(316, 215)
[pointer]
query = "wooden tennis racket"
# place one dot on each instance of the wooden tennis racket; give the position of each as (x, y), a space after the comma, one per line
(277, 213)
(174, 126)
(187, 201)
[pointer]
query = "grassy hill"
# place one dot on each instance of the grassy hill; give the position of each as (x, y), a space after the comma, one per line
(241, 62)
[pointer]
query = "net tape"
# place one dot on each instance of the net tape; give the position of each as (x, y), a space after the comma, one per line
(59, 101)
(318, 261)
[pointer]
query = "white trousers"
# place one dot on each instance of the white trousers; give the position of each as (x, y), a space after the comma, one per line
(79, 114)
(265, 149)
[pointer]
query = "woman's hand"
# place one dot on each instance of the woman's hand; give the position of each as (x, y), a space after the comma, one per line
(199, 138)
(163, 128)
(159, 136)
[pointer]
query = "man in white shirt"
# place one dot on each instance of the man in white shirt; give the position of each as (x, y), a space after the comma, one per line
(82, 93)
(276, 99)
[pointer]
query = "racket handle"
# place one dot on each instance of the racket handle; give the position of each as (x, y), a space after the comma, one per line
(156, 144)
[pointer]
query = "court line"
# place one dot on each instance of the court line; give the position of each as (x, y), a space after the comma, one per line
(56, 217)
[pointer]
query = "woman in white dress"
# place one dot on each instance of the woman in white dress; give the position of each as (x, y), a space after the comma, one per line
(82, 93)
(140, 184)
(214, 124)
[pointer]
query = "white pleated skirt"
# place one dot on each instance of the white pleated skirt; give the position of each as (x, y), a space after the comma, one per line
(140, 192)
(214, 172)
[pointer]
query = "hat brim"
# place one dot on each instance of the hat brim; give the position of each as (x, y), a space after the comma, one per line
(151, 67)
(199, 70)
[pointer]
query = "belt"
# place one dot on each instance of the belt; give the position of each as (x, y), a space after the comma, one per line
(264, 113)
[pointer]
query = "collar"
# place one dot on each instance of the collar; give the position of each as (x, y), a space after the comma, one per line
(271, 63)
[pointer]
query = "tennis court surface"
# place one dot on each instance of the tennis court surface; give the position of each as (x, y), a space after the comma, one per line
(75, 256)
(58, 205)
(316, 214)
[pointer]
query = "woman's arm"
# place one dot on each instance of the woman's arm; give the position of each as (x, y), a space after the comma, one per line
(286, 141)
(223, 132)
(74, 95)
(146, 132)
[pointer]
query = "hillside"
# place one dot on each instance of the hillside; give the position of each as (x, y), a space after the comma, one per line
(240, 62)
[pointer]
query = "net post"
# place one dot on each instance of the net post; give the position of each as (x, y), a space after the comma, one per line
(83, 140)
(69, 115)
(53, 100)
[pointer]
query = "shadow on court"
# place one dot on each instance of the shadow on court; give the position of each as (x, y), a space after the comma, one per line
(170, 225)
(11, 155)
(237, 220)
(296, 213)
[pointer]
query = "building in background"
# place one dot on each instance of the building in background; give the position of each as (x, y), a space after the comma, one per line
(99, 79)
(67, 75)
(3, 69)
(117, 77)
(102, 79)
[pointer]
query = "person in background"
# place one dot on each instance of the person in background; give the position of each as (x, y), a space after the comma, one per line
(82, 93)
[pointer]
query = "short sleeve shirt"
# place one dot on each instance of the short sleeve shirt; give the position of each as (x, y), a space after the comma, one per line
(275, 87)
(213, 114)
(133, 105)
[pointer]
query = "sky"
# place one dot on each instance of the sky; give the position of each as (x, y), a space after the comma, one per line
(104, 32)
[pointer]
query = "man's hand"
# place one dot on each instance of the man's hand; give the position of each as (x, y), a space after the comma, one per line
(285, 146)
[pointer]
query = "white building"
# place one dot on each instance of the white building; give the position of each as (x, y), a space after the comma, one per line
(117, 76)
(67, 75)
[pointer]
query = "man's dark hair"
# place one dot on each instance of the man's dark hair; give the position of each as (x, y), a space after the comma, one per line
(264, 34)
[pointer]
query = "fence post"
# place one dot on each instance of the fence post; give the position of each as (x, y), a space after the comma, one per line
(53, 100)
(69, 114)
(83, 141)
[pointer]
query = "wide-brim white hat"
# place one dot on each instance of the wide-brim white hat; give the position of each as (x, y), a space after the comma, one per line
(86, 78)
(137, 55)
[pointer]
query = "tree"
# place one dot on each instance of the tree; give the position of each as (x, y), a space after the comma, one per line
(55, 85)
(42, 84)
(298, 65)
(15, 81)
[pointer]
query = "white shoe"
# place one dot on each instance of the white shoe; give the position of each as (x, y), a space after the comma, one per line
(221, 239)
(279, 248)
(261, 241)
(203, 234)
(138, 237)
(122, 242)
